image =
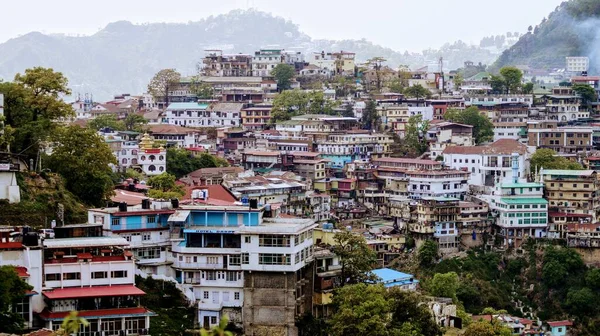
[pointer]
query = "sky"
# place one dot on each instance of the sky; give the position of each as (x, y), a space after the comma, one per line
(411, 25)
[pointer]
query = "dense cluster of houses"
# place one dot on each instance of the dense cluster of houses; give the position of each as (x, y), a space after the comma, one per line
(253, 241)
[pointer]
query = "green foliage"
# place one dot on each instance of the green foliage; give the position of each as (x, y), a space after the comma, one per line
(174, 316)
(12, 291)
(410, 315)
(181, 162)
(106, 121)
(444, 285)
(512, 79)
(485, 328)
(586, 92)
(417, 91)
(135, 122)
(290, 103)
(356, 258)
(370, 118)
(527, 88)
(33, 105)
(308, 325)
(201, 89)
(218, 330)
(283, 74)
(164, 187)
(73, 323)
(428, 253)
(548, 159)
(396, 86)
(360, 310)
(582, 302)
(483, 129)
(82, 157)
(162, 83)
(414, 134)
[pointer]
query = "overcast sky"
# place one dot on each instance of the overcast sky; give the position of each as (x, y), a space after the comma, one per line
(399, 24)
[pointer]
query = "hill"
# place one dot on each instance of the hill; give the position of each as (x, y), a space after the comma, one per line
(122, 57)
(573, 29)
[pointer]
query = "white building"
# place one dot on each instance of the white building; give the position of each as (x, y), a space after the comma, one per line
(203, 115)
(322, 60)
(437, 183)
(152, 161)
(83, 108)
(488, 164)
(266, 60)
(578, 64)
(511, 130)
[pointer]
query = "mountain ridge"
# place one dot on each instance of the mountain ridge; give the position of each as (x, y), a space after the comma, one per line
(123, 56)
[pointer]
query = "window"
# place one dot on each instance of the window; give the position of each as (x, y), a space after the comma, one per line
(147, 253)
(205, 295)
(232, 276)
(212, 260)
(146, 236)
(245, 258)
(98, 219)
(118, 274)
(274, 241)
(151, 219)
(99, 275)
(236, 295)
(225, 296)
(235, 260)
(274, 259)
(116, 221)
(72, 276)
(247, 239)
(213, 319)
(53, 277)
(211, 275)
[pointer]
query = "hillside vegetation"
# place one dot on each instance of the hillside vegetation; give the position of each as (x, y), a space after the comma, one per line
(571, 30)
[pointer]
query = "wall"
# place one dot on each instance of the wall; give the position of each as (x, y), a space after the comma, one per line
(8, 187)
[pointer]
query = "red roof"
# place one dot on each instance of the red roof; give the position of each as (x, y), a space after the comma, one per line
(565, 323)
(101, 312)
(129, 197)
(11, 245)
(410, 161)
(22, 271)
(95, 291)
(215, 192)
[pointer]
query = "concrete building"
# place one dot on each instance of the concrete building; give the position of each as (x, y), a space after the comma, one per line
(217, 64)
(445, 134)
(566, 141)
(256, 117)
(490, 163)
(511, 130)
(341, 149)
(572, 192)
(577, 64)
(437, 183)
(392, 278)
(203, 115)
(266, 60)
(436, 218)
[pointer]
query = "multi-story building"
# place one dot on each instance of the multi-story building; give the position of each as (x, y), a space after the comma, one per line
(222, 65)
(327, 278)
(94, 276)
(266, 60)
(436, 218)
(344, 62)
(309, 165)
(444, 134)
(473, 223)
(27, 259)
(437, 183)
(567, 141)
(572, 192)
(252, 159)
(578, 64)
(323, 61)
(510, 130)
(174, 135)
(488, 164)
(151, 160)
(256, 117)
(564, 108)
(341, 149)
(440, 106)
(203, 115)
(407, 163)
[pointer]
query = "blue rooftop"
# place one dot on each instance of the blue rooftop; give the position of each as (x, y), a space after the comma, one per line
(186, 106)
(391, 278)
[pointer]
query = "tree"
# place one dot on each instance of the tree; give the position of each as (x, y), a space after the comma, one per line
(12, 291)
(485, 328)
(376, 63)
(181, 162)
(356, 258)
(527, 88)
(290, 103)
(483, 129)
(135, 122)
(498, 85)
(360, 309)
(428, 253)
(512, 79)
(548, 159)
(414, 134)
(82, 157)
(200, 89)
(163, 83)
(218, 330)
(33, 107)
(396, 86)
(444, 285)
(164, 187)
(370, 118)
(582, 302)
(409, 315)
(106, 121)
(283, 74)
(458, 80)
(592, 278)
(417, 91)
(72, 324)
(348, 111)
(586, 92)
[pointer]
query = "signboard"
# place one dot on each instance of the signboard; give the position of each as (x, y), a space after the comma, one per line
(4, 166)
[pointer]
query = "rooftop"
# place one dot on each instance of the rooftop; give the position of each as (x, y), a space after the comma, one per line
(85, 242)
(499, 147)
(523, 200)
(390, 278)
(564, 172)
(186, 106)
(94, 291)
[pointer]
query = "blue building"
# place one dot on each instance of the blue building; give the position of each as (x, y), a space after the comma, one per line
(392, 278)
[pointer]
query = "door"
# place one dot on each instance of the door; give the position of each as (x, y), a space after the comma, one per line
(206, 323)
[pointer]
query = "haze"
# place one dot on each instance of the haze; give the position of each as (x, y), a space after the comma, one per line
(411, 25)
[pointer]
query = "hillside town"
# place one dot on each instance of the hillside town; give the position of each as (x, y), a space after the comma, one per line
(268, 185)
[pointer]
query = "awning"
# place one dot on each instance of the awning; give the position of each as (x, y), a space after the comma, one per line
(100, 313)
(179, 216)
(95, 291)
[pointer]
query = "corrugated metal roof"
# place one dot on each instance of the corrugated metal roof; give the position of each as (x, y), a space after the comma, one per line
(85, 242)
(94, 291)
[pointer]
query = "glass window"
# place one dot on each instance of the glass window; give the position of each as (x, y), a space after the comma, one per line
(99, 275)
(245, 258)
(274, 259)
(118, 274)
